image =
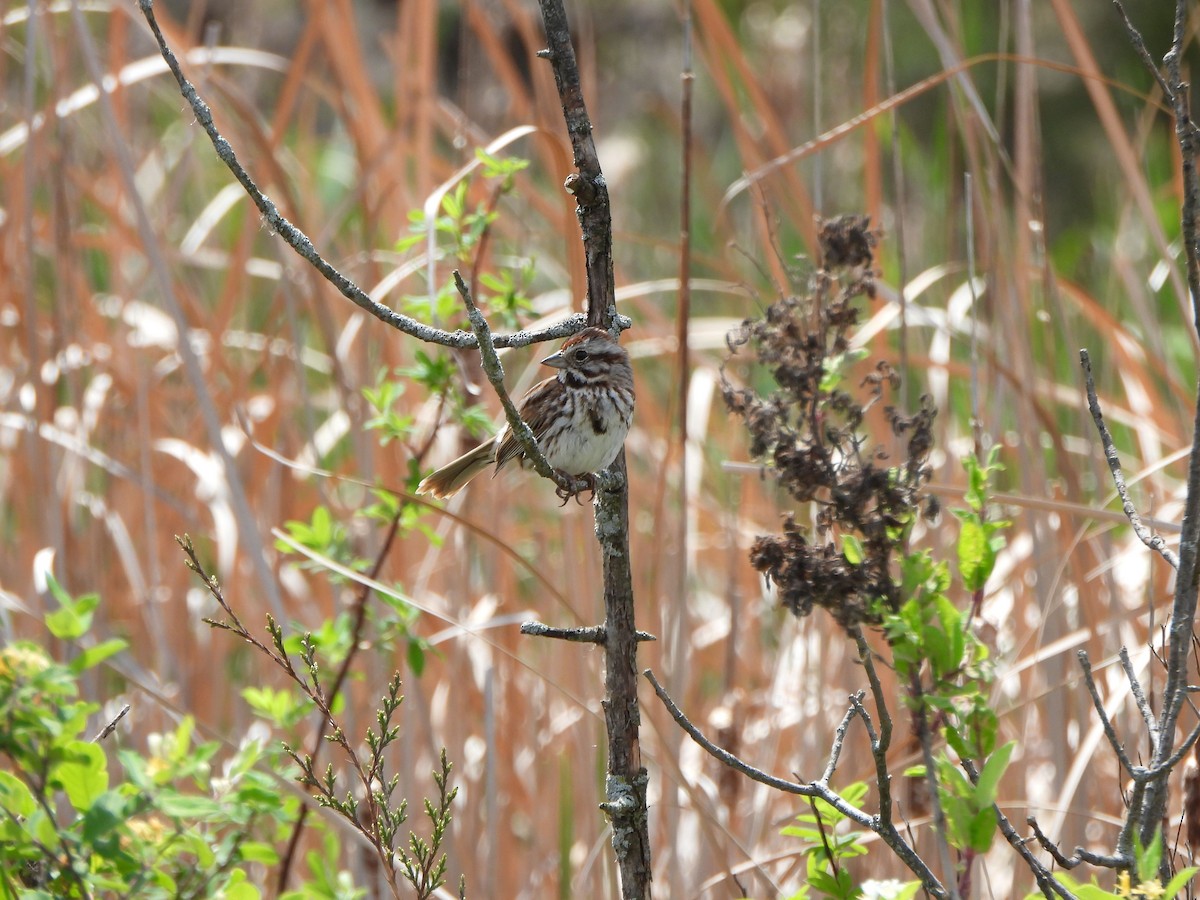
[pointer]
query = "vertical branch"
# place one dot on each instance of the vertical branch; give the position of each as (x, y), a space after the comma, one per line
(1183, 611)
(625, 787)
(588, 186)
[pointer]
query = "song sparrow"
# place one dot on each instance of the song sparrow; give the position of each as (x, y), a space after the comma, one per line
(580, 416)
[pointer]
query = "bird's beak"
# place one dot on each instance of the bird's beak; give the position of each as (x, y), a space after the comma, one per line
(556, 360)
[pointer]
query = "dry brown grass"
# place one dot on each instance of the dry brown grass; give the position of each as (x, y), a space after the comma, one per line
(104, 452)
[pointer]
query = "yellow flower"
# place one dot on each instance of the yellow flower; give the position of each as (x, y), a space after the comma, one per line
(22, 660)
(1149, 890)
(1123, 884)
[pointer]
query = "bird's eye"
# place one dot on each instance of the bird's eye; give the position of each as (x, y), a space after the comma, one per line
(580, 355)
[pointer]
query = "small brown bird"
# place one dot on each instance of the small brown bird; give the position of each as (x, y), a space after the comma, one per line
(580, 416)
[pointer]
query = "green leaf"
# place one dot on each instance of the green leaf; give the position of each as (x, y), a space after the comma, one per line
(416, 657)
(15, 796)
(182, 806)
(74, 619)
(958, 743)
(237, 888)
(83, 775)
(93, 656)
(103, 820)
(852, 549)
(993, 770)
(835, 368)
(982, 829)
(976, 558)
(259, 852)
(1182, 877)
(1148, 858)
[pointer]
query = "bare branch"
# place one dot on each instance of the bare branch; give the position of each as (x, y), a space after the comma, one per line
(819, 789)
(594, 634)
(111, 726)
(839, 736)
(1140, 696)
(1153, 541)
(1149, 814)
(1081, 854)
(1138, 773)
(1139, 46)
(303, 245)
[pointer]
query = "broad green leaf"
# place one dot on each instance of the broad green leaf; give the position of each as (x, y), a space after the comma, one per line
(182, 806)
(416, 657)
(103, 819)
(15, 796)
(237, 888)
(976, 558)
(83, 775)
(989, 776)
(982, 829)
(852, 549)
(93, 656)
(259, 852)
(957, 742)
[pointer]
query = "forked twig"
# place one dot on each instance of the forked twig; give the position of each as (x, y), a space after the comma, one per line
(818, 789)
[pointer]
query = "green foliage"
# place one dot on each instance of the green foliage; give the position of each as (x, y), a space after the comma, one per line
(75, 824)
(946, 667)
(328, 539)
(829, 850)
(370, 808)
(460, 231)
(979, 539)
(74, 617)
(379, 816)
(830, 845)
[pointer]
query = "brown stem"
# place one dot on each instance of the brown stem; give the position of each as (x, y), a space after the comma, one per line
(626, 779)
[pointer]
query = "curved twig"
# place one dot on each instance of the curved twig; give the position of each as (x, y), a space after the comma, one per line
(303, 245)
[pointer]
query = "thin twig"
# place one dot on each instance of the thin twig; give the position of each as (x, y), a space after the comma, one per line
(1165, 767)
(839, 736)
(594, 634)
(880, 742)
(1149, 814)
(111, 726)
(1139, 47)
(318, 741)
(924, 732)
(1140, 696)
(1138, 773)
(1081, 854)
(517, 426)
(1153, 541)
(819, 789)
(303, 245)
(1048, 884)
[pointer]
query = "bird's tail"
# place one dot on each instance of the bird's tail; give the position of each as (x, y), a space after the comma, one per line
(453, 477)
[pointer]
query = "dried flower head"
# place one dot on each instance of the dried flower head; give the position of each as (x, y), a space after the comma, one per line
(811, 430)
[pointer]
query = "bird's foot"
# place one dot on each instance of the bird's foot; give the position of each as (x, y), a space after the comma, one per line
(573, 486)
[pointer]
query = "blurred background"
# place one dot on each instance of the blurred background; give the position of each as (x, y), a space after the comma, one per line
(1019, 142)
